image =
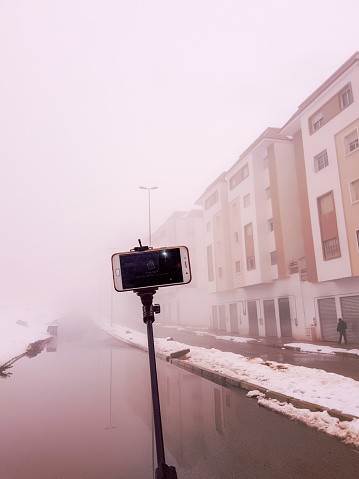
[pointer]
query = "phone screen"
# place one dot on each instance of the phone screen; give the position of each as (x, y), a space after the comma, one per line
(151, 268)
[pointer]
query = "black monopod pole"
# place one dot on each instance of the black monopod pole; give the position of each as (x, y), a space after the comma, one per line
(163, 471)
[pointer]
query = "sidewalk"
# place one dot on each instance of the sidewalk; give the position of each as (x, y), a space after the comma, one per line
(323, 400)
(351, 349)
(305, 346)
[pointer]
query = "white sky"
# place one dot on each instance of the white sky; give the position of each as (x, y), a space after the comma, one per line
(100, 97)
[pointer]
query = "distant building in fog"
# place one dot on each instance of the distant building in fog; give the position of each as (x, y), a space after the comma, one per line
(186, 304)
(279, 253)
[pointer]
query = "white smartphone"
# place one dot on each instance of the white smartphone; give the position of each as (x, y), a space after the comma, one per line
(151, 268)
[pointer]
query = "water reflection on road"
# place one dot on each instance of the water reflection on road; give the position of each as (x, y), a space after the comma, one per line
(83, 410)
(67, 414)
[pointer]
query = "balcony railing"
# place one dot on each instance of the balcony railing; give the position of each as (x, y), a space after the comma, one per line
(293, 267)
(331, 248)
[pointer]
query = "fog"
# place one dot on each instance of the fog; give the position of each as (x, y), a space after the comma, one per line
(99, 98)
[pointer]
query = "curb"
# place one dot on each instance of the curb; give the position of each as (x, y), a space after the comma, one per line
(227, 381)
(337, 353)
(294, 348)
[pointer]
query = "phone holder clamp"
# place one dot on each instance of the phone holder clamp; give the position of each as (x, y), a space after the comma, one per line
(148, 308)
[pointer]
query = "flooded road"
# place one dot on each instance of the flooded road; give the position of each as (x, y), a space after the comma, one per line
(82, 409)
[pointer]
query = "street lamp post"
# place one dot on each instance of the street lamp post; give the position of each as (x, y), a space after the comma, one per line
(149, 208)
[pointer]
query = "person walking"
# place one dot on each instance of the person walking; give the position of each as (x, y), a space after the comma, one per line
(341, 328)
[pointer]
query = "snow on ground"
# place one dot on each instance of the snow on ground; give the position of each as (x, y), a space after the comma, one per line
(316, 348)
(235, 339)
(328, 390)
(205, 332)
(347, 431)
(15, 338)
(305, 347)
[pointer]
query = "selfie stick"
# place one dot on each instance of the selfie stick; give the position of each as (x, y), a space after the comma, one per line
(149, 309)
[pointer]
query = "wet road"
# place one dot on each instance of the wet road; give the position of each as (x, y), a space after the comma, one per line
(346, 366)
(83, 410)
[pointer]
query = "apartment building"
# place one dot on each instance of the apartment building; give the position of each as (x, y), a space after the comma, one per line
(326, 147)
(259, 225)
(283, 223)
(280, 229)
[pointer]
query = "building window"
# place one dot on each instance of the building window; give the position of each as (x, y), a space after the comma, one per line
(248, 229)
(354, 190)
(351, 142)
(238, 177)
(236, 237)
(208, 227)
(268, 193)
(246, 200)
(249, 243)
(237, 267)
(220, 272)
(210, 263)
(211, 200)
(317, 124)
(251, 264)
(273, 258)
(346, 96)
(234, 208)
(357, 236)
(328, 226)
(331, 248)
(316, 121)
(270, 225)
(321, 161)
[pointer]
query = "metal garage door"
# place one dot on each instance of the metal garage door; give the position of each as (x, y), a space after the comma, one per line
(350, 314)
(328, 319)
(233, 316)
(253, 318)
(222, 317)
(284, 317)
(269, 317)
(214, 318)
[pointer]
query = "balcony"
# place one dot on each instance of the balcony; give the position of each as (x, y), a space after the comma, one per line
(293, 267)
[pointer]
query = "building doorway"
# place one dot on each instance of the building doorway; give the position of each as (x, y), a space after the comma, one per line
(253, 318)
(222, 317)
(270, 318)
(233, 317)
(350, 314)
(214, 318)
(328, 319)
(284, 317)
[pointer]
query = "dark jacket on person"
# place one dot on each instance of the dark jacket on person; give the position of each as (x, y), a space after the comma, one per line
(342, 326)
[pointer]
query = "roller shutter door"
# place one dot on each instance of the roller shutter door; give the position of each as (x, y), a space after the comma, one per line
(222, 317)
(214, 318)
(284, 317)
(350, 314)
(328, 319)
(233, 315)
(253, 318)
(269, 317)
